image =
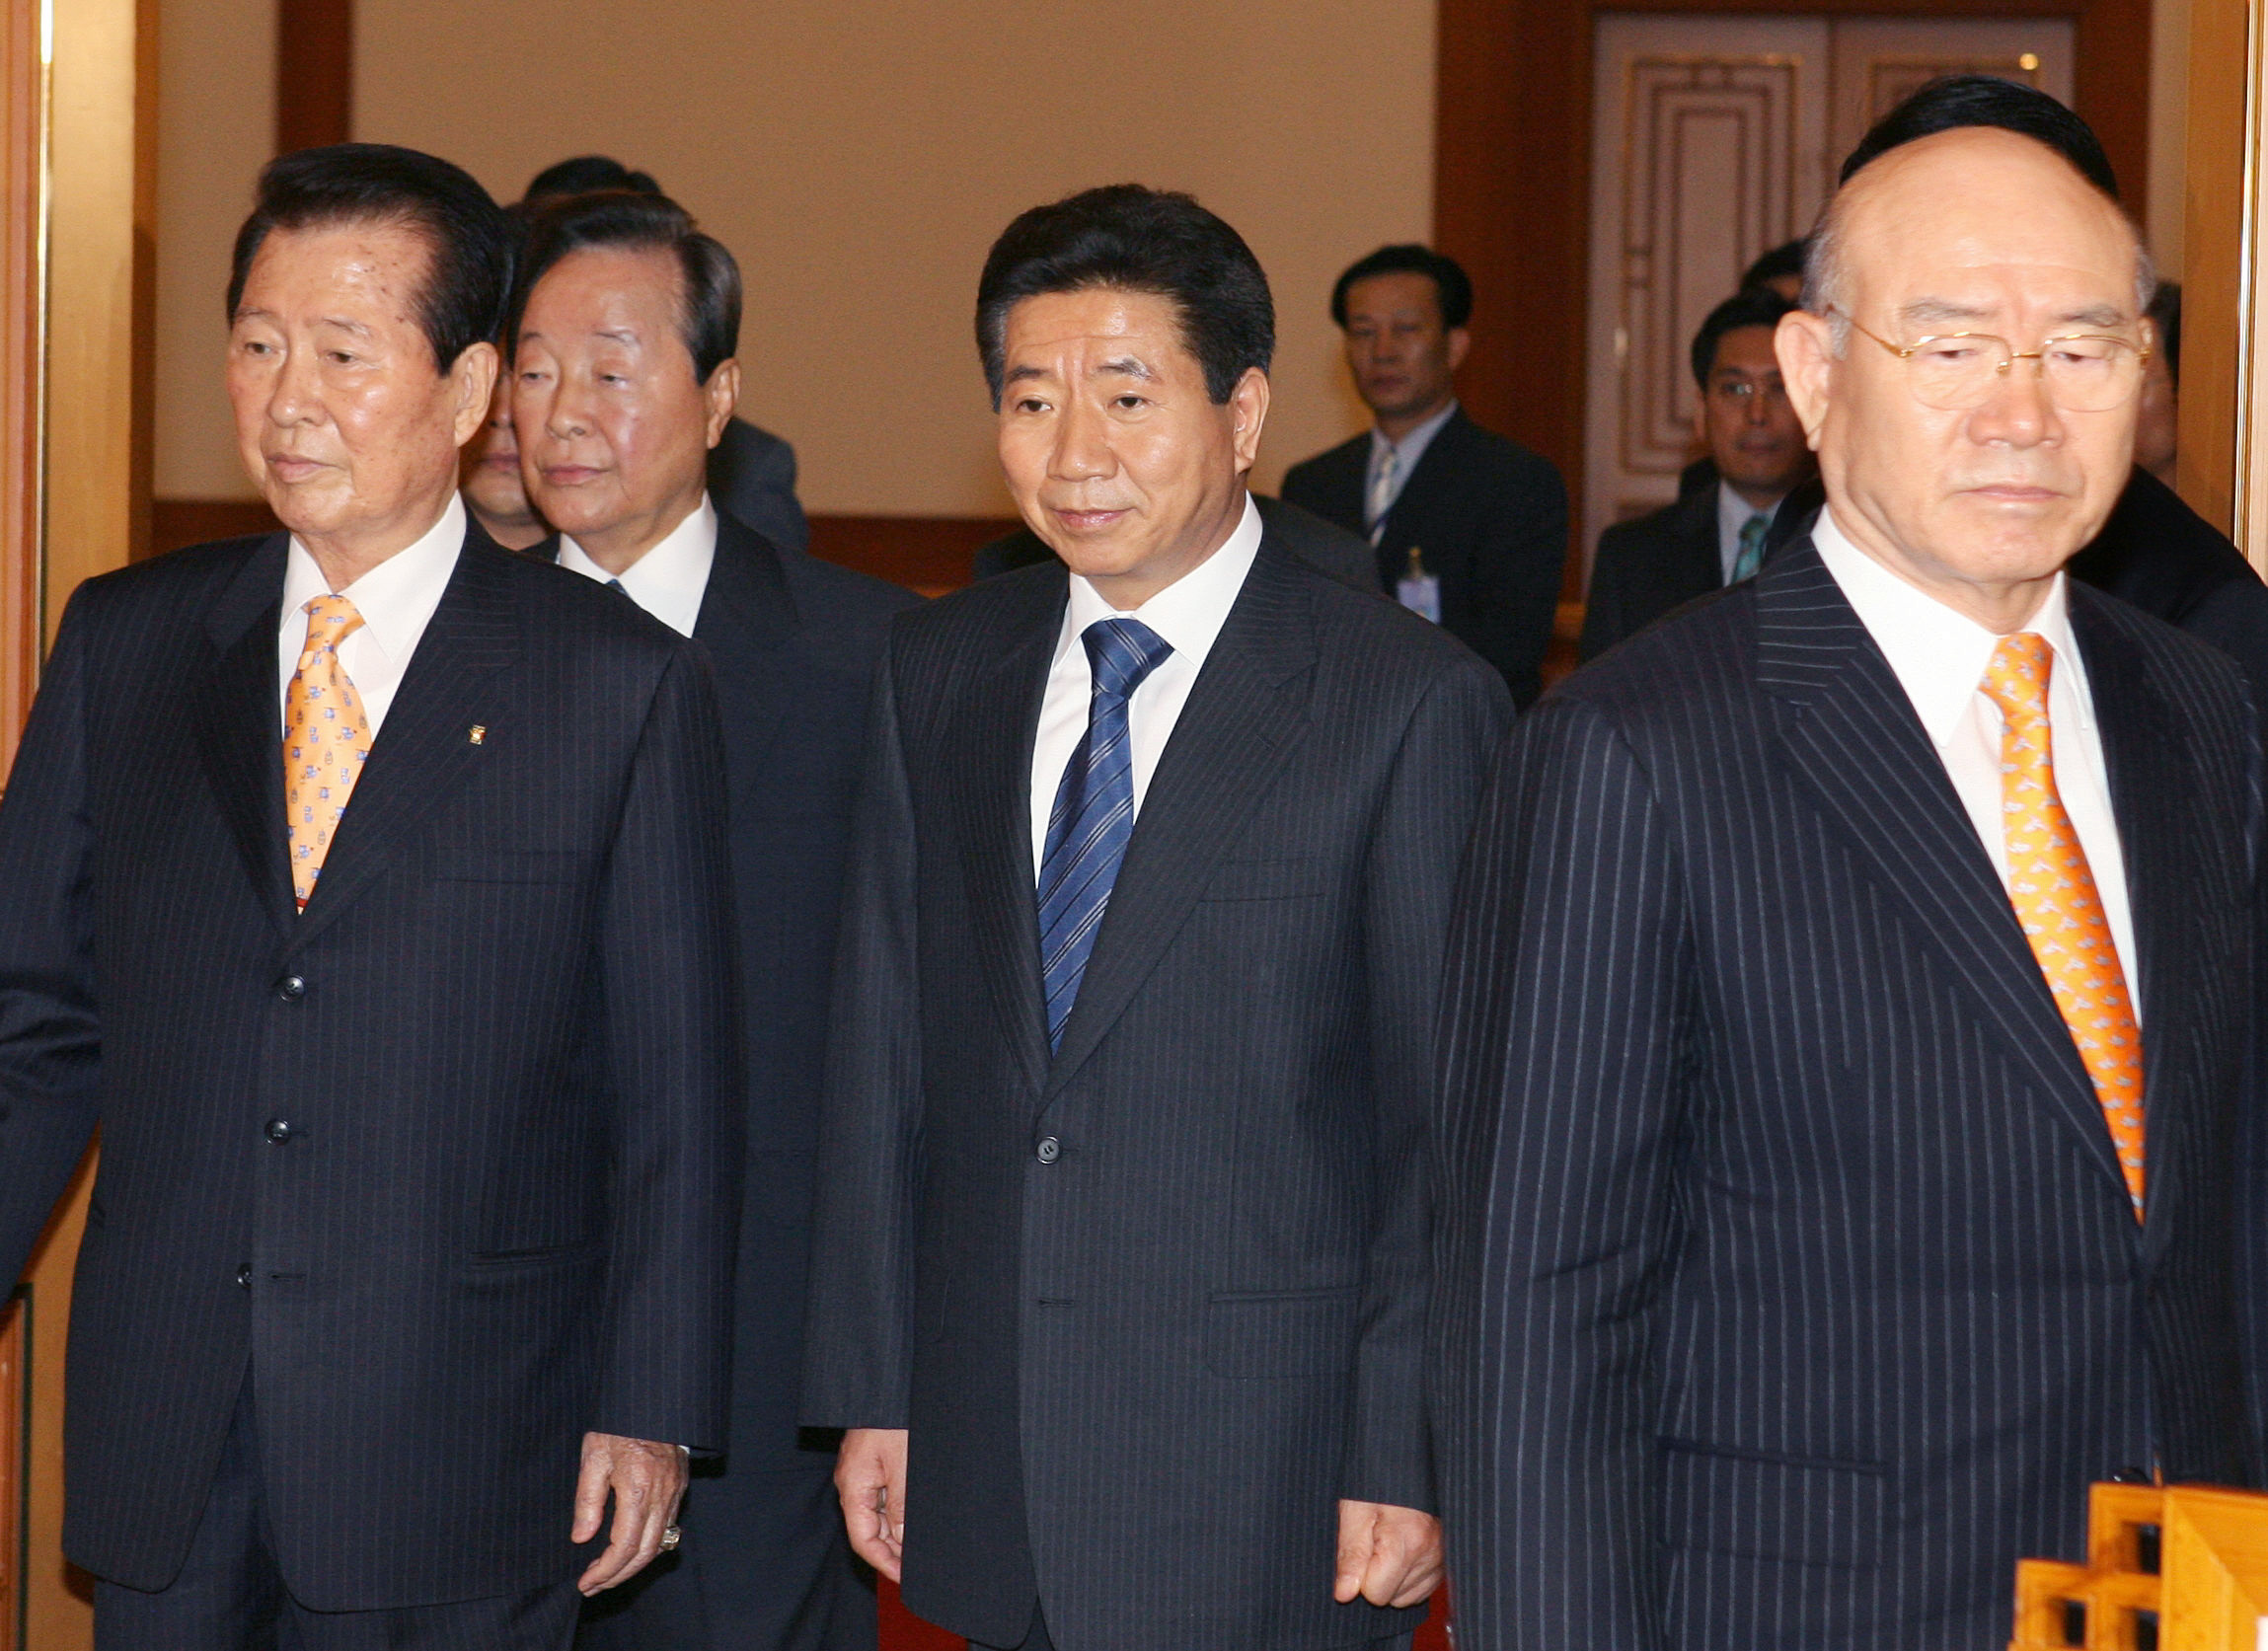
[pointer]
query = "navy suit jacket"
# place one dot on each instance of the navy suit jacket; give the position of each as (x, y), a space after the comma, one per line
(446, 1167)
(1649, 567)
(752, 478)
(1490, 521)
(1790, 1288)
(1152, 1305)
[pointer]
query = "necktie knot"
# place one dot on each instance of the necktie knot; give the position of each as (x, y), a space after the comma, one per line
(330, 620)
(2017, 678)
(1121, 653)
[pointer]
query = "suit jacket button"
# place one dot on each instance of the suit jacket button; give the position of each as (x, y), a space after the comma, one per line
(2130, 1476)
(291, 988)
(278, 1130)
(244, 1275)
(1050, 1149)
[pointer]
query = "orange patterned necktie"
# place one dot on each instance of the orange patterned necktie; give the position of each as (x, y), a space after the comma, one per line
(325, 742)
(2056, 899)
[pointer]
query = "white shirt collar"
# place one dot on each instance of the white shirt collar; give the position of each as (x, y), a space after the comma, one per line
(1413, 443)
(1938, 654)
(1188, 613)
(396, 598)
(668, 581)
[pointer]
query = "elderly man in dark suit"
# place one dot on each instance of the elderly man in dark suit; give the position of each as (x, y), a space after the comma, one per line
(1716, 535)
(751, 470)
(1470, 527)
(1850, 1002)
(368, 883)
(1121, 1242)
(624, 376)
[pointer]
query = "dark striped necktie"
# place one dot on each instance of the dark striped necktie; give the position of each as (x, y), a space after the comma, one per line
(1093, 813)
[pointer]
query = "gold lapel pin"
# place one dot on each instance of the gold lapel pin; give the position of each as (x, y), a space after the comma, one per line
(477, 733)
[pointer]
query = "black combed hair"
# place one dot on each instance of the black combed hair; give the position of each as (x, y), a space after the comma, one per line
(709, 296)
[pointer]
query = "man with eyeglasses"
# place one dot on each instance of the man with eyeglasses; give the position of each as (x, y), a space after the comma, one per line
(1715, 535)
(1851, 1000)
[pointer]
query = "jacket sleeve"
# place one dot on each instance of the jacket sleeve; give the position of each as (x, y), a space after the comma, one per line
(1569, 1015)
(1409, 879)
(668, 982)
(1603, 622)
(1518, 572)
(50, 1030)
(856, 1360)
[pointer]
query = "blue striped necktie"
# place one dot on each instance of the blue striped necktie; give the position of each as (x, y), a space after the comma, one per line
(1093, 813)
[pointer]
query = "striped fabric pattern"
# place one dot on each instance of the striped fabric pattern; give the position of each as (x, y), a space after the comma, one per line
(1093, 813)
(1788, 1285)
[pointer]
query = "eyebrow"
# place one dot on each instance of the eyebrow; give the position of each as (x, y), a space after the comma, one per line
(1930, 312)
(1128, 367)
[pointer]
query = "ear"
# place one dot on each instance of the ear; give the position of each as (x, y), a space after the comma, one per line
(1459, 341)
(1805, 346)
(1249, 410)
(472, 381)
(724, 394)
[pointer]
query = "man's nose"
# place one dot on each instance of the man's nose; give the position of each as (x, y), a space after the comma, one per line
(2017, 413)
(292, 394)
(1082, 446)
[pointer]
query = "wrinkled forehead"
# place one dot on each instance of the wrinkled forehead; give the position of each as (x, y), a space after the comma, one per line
(1986, 225)
(1096, 329)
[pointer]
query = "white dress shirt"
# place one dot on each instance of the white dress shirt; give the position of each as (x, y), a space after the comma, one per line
(1188, 614)
(1406, 452)
(1733, 514)
(1940, 656)
(670, 580)
(396, 600)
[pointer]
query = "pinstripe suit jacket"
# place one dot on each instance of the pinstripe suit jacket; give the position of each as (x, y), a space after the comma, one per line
(501, 1036)
(1144, 1361)
(1790, 1289)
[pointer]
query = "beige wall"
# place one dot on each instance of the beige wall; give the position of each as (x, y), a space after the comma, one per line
(216, 126)
(858, 156)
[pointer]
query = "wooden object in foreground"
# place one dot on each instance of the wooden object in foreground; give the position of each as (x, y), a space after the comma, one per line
(2179, 1569)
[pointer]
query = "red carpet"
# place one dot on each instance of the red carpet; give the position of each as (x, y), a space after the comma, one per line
(902, 1631)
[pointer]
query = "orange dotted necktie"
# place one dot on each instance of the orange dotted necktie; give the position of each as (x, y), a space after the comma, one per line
(325, 742)
(2056, 899)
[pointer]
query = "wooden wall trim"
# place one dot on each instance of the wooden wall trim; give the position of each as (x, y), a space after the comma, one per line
(928, 554)
(1512, 174)
(2215, 284)
(22, 361)
(314, 73)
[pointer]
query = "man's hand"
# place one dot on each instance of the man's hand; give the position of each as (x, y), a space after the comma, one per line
(1390, 1556)
(870, 1481)
(647, 1482)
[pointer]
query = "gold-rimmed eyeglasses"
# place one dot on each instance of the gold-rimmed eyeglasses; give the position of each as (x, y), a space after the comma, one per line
(2079, 372)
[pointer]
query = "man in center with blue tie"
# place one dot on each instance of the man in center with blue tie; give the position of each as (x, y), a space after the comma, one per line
(1121, 1249)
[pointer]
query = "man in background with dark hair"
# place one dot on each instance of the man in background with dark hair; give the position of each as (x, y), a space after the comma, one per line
(366, 885)
(751, 470)
(624, 339)
(1470, 528)
(1716, 537)
(1778, 271)
(1120, 1260)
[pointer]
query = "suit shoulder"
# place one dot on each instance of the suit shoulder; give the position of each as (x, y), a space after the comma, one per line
(978, 615)
(1372, 635)
(1509, 457)
(175, 574)
(845, 592)
(1699, 654)
(2201, 675)
(565, 605)
(1640, 530)
(1355, 449)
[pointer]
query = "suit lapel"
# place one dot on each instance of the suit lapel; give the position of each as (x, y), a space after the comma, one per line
(424, 750)
(239, 723)
(1700, 562)
(2152, 798)
(998, 726)
(1241, 719)
(747, 619)
(1850, 737)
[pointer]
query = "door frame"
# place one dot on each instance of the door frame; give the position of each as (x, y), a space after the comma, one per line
(1512, 177)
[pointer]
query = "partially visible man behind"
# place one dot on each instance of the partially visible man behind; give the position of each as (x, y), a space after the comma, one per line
(1716, 537)
(1470, 528)
(367, 884)
(1121, 1264)
(751, 470)
(1850, 1003)
(624, 376)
